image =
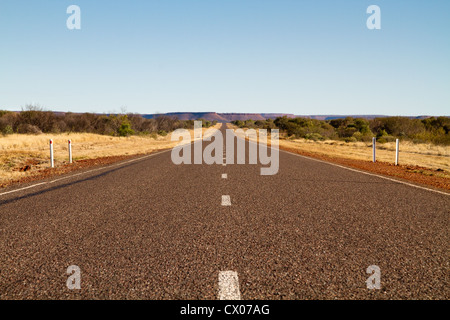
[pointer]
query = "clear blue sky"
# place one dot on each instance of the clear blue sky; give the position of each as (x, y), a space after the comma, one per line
(291, 56)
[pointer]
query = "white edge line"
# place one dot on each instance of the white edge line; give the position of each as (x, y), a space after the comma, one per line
(295, 154)
(356, 170)
(93, 170)
(367, 173)
(81, 173)
(34, 185)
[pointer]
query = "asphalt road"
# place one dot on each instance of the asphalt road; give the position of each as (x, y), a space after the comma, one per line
(150, 229)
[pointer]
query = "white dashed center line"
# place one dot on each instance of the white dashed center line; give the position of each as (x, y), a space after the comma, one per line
(229, 286)
(226, 201)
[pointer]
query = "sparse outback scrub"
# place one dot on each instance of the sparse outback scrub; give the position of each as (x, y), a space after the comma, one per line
(423, 142)
(434, 130)
(425, 163)
(422, 154)
(23, 155)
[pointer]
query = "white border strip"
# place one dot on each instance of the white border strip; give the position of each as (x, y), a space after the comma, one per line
(84, 172)
(110, 166)
(367, 173)
(356, 170)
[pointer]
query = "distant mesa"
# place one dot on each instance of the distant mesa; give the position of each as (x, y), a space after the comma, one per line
(227, 117)
(220, 117)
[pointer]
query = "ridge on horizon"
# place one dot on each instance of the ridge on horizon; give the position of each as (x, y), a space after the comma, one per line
(233, 116)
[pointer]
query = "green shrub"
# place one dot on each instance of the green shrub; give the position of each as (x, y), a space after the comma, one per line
(358, 136)
(350, 139)
(7, 130)
(382, 133)
(314, 137)
(385, 139)
(125, 129)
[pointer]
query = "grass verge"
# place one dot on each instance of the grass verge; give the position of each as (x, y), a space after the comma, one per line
(25, 157)
(425, 164)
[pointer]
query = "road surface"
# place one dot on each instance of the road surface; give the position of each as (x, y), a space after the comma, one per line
(150, 229)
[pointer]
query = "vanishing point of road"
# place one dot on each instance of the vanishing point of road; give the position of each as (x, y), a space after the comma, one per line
(150, 229)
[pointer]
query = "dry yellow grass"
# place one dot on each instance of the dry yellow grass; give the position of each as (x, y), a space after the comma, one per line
(18, 150)
(424, 155)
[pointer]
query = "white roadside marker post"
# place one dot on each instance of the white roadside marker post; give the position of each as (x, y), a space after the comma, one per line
(374, 144)
(52, 162)
(397, 150)
(70, 151)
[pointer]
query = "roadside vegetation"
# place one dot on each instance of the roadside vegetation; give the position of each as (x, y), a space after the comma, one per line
(34, 120)
(434, 130)
(24, 138)
(424, 146)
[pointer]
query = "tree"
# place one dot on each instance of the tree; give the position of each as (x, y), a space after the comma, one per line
(125, 127)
